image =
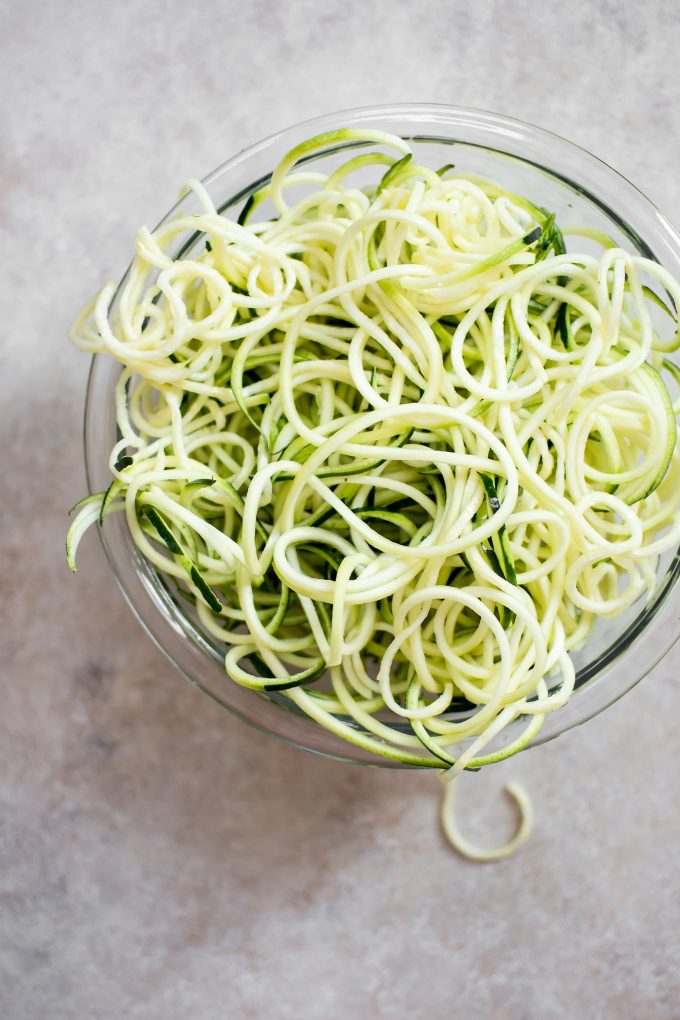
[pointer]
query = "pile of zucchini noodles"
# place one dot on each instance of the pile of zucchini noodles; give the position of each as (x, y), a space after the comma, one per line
(397, 445)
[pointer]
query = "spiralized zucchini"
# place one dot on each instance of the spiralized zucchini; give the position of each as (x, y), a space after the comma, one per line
(462, 845)
(397, 445)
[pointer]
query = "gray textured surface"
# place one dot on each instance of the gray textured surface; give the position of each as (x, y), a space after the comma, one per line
(157, 859)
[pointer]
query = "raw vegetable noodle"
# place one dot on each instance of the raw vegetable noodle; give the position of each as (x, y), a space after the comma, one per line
(396, 447)
(463, 845)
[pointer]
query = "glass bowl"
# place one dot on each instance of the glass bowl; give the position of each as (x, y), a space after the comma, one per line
(554, 173)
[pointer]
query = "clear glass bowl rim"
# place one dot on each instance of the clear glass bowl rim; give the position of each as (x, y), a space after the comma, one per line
(622, 669)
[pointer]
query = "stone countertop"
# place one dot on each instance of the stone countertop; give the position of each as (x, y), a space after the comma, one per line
(158, 859)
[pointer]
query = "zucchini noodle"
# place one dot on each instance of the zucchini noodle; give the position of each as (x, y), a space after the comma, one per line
(462, 844)
(394, 445)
